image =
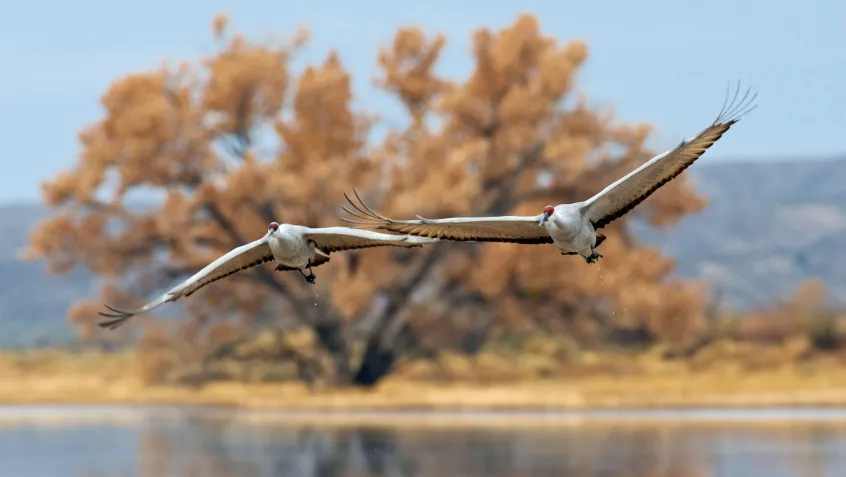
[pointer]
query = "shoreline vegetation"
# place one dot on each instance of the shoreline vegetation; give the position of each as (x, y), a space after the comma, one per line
(775, 379)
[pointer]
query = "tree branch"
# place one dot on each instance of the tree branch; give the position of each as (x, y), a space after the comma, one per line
(399, 295)
(505, 187)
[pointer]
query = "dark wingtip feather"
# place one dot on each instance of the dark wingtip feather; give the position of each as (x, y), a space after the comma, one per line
(356, 225)
(115, 323)
(120, 317)
(734, 109)
(368, 209)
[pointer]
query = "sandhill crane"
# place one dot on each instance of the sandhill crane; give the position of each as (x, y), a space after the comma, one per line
(571, 227)
(294, 247)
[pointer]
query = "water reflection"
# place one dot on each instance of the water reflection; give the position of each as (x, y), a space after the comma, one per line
(215, 447)
(218, 450)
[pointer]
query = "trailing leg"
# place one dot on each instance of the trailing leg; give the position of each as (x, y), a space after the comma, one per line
(593, 257)
(311, 277)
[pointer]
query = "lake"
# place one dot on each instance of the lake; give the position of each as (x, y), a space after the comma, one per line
(79, 441)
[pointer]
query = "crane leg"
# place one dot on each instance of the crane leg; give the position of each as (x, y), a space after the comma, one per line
(593, 257)
(311, 277)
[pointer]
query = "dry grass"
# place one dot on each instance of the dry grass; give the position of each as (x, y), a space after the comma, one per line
(727, 374)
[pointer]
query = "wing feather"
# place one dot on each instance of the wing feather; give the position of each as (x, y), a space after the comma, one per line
(625, 194)
(337, 239)
(512, 229)
(236, 260)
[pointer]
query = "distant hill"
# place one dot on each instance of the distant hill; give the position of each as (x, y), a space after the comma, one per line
(768, 226)
(33, 304)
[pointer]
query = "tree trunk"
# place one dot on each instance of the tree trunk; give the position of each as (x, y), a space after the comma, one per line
(376, 363)
(331, 338)
(476, 338)
(380, 358)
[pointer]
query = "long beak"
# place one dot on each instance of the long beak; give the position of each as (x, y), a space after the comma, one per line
(543, 219)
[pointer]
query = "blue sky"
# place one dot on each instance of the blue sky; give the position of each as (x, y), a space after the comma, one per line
(664, 62)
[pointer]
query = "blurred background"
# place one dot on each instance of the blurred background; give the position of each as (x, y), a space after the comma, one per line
(144, 141)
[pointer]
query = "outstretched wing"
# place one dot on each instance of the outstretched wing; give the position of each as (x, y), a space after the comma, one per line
(514, 229)
(623, 195)
(336, 239)
(238, 259)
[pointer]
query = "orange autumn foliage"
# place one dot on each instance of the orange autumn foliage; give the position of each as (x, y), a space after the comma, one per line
(225, 145)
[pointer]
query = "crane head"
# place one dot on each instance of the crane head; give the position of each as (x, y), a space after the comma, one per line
(547, 213)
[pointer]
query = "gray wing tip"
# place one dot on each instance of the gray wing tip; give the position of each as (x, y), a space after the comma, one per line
(355, 224)
(733, 110)
(367, 210)
(119, 317)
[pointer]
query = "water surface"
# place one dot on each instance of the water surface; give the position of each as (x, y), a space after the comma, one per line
(159, 442)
